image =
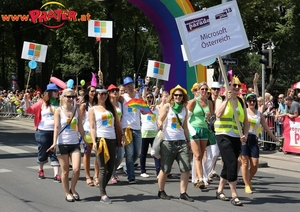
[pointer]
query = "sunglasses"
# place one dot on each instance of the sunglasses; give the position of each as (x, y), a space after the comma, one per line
(70, 97)
(251, 101)
(215, 89)
(236, 85)
(180, 95)
(149, 97)
(93, 91)
(114, 90)
(204, 89)
(103, 94)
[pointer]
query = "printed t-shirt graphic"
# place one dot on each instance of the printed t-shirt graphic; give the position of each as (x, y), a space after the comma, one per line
(107, 119)
(72, 125)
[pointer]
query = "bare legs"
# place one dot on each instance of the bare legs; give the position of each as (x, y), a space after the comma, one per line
(64, 164)
(198, 148)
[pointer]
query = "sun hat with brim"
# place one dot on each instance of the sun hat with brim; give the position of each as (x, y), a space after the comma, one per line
(251, 95)
(51, 87)
(112, 87)
(178, 87)
(127, 80)
(236, 80)
(195, 87)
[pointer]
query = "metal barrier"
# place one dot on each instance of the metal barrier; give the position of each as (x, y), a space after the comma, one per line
(276, 128)
(9, 109)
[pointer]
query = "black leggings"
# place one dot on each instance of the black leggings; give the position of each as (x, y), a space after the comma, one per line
(230, 148)
(106, 169)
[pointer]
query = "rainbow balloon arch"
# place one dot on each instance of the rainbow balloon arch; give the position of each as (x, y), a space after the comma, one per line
(162, 14)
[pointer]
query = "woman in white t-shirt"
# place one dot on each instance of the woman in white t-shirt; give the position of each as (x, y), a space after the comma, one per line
(105, 133)
(149, 130)
(83, 113)
(67, 124)
(113, 93)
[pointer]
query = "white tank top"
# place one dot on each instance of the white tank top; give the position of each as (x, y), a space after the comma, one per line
(69, 135)
(149, 121)
(105, 127)
(173, 130)
(47, 118)
(254, 123)
(86, 122)
(130, 116)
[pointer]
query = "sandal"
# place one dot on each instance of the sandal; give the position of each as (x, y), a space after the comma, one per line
(220, 195)
(199, 184)
(89, 182)
(70, 199)
(236, 202)
(96, 181)
(76, 197)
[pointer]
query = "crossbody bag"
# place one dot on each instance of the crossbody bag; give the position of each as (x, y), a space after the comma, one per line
(68, 123)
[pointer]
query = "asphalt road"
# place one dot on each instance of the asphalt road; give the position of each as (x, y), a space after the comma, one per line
(275, 189)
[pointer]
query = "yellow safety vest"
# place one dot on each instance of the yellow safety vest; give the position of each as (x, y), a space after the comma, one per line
(226, 122)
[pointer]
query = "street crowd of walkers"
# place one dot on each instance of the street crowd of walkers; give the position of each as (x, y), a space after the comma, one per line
(195, 132)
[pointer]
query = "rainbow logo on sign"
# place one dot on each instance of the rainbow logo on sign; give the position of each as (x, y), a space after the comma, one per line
(99, 27)
(107, 119)
(34, 50)
(159, 68)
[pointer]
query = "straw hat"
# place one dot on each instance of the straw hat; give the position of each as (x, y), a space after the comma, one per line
(178, 87)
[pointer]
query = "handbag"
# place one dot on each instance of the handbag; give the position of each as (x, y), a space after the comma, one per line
(211, 133)
(155, 150)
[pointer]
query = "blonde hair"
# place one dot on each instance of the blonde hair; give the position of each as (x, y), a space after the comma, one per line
(202, 84)
(268, 96)
(67, 90)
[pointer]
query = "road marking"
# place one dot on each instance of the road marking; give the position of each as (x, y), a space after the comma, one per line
(14, 150)
(5, 170)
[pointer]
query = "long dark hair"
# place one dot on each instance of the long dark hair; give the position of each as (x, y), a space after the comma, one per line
(47, 97)
(108, 105)
(86, 97)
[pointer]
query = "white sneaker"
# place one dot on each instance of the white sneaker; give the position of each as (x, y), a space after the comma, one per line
(144, 175)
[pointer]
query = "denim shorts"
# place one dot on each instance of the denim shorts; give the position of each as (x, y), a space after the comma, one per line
(201, 134)
(175, 150)
(66, 149)
(251, 148)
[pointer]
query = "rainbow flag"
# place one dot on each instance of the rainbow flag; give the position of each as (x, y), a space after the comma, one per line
(139, 104)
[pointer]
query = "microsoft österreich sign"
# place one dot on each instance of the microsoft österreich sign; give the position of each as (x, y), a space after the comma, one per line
(213, 32)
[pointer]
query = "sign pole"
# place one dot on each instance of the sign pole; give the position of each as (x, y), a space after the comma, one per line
(28, 80)
(99, 53)
(233, 103)
(196, 74)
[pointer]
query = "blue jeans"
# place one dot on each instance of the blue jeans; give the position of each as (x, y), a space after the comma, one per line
(119, 158)
(145, 145)
(44, 140)
(132, 152)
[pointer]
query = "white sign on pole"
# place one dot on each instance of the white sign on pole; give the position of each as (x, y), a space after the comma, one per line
(102, 29)
(34, 51)
(158, 70)
(214, 32)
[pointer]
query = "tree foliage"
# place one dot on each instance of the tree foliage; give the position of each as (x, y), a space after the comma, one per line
(72, 53)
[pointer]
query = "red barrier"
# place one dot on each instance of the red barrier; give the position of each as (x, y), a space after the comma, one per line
(291, 134)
